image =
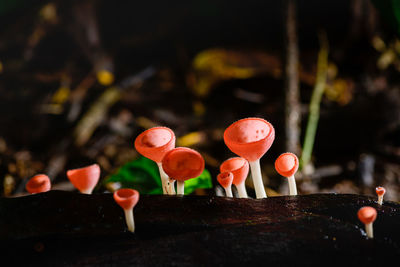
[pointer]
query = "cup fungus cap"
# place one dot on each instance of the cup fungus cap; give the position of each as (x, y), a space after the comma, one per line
(380, 191)
(38, 184)
(86, 178)
(155, 142)
(183, 163)
(367, 215)
(126, 198)
(225, 179)
(239, 167)
(249, 138)
(287, 164)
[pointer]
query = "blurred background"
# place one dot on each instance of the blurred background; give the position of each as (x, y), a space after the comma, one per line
(79, 80)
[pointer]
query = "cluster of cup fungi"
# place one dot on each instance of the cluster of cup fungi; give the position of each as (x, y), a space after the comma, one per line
(249, 138)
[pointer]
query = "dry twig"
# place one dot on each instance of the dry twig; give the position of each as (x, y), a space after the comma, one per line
(292, 98)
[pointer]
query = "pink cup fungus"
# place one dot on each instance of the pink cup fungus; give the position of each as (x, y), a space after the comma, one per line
(85, 179)
(287, 165)
(181, 164)
(127, 199)
(239, 167)
(38, 184)
(251, 138)
(380, 191)
(225, 179)
(154, 143)
(367, 215)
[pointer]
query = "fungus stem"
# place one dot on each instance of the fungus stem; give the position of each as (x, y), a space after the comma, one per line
(241, 190)
(369, 230)
(292, 186)
(164, 179)
(171, 187)
(228, 191)
(380, 191)
(180, 187)
(87, 191)
(367, 215)
(257, 179)
(129, 220)
(380, 200)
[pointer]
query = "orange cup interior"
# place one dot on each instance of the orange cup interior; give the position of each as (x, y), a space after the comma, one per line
(155, 142)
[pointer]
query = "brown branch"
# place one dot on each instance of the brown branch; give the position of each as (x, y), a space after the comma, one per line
(99, 109)
(292, 98)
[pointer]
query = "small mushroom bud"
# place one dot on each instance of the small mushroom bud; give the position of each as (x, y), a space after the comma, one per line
(367, 215)
(154, 143)
(38, 184)
(181, 164)
(239, 167)
(85, 179)
(287, 165)
(380, 191)
(127, 199)
(251, 138)
(225, 179)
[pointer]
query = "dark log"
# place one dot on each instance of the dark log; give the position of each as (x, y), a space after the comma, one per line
(60, 228)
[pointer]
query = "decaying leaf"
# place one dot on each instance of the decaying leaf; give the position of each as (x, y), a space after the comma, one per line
(215, 65)
(191, 139)
(340, 91)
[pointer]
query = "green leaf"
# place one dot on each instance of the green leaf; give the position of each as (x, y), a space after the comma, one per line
(203, 181)
(143, 175)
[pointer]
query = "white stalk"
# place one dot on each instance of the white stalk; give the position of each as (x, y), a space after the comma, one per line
(380, 200)
(171, 187)
(241, 188)
(87, 191)
(164, 179)
(129, 220)
(180, 187)
(257, 179)
(228, 191)
(369, 230)
(292, 186)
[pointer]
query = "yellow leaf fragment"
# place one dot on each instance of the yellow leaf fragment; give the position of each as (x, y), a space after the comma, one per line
(105, 77)
(8, 185)
(199, 108)
(340, 91)
(49, 13)
(191, 139)
(215, 65)
(61, 95)
(145, 123)
(386, 59)
(378, 43)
